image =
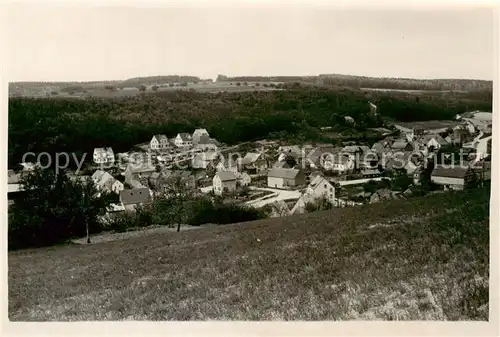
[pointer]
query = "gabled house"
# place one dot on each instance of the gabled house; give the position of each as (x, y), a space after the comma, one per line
(106, 182)
(253, 162)
(132, 198)
(318, 188)
(104, 155)
(452, 178)
(159, 142)
(205, 143)
(198, 133)
(183, 140)
(433, 142)
(285, 178)
(224, 182)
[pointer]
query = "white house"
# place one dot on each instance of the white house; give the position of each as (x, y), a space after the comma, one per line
(104, 155)
(106, 182)
(159, 142)
(254, 162)
(183, 140)
(285, 178)
(224, 182)
(451, 178)
(198, 133)
(318, 188)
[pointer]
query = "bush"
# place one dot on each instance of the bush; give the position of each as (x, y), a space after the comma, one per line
(319, 204)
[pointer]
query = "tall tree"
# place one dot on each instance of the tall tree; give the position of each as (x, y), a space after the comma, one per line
(54, 208)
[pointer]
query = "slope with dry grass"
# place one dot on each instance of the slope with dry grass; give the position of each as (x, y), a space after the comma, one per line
(424, 258)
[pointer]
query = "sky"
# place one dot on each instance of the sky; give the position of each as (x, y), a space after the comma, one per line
(49, 43)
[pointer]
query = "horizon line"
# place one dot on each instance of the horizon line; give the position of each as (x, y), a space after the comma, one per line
(214, 79)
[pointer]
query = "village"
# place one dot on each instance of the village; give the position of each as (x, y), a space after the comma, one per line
(291, 179)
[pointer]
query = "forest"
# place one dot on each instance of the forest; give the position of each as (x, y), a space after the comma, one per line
(78, 126)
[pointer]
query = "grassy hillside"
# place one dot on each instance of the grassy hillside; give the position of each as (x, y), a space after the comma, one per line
(424, 258)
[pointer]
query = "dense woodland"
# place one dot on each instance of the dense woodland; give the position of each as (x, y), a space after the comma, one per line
(75, 125)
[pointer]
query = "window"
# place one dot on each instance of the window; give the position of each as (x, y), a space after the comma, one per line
(331, 189)
(326, 186)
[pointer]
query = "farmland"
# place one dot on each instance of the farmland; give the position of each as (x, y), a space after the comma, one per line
(400, 260)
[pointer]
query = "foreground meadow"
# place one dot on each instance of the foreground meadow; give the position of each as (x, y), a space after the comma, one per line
(419, 259)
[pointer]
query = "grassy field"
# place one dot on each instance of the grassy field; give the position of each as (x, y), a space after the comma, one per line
(418, 259)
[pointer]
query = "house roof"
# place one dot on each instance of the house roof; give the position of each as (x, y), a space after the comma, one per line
(399, 144)
(226, 175)
(285, 173)
(200, 131)
(440, 140)
(103, 150)
(159, 138)
(453, 172)
(185, 136)
(250, 157)
(291, 149)
(134, 196)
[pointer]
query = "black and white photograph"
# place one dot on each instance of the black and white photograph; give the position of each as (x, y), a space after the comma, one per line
(249, 162)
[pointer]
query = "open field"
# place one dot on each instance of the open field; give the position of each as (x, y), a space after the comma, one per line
(402, 260)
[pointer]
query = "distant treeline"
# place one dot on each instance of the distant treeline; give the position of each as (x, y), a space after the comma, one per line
(372, 82)
(285, 79)
(79, 125)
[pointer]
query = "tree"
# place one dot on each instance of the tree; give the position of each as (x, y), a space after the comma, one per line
(55, 208)
(154, 88)
(142, 88)
(177, 196)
